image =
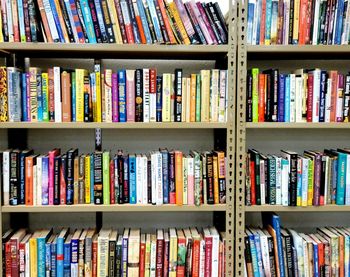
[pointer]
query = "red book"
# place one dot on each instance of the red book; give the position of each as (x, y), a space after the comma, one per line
(94, 255)
(195, 252)
(111, 181)
(334, 77)
(166, 254)
(208, 252)
(303, 21)
(262, 22)
(127, 22)
(8, 259)
(252, 182)
(309, 17)
(166, 22)
(51, 95)
(142, 255)
(139, 26)
(181, 244)
(160, 253)
(29, 161)
(309, 101)
(14, 250)
(262, 93)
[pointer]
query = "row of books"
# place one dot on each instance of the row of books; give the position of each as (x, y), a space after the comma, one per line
(113, 21)
(106, 96)
(313, 178)
(276, 251)
(298, 22)
(159, 177)
(302, 96)
(108, 252)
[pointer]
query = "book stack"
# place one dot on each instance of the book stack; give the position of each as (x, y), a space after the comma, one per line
(300, 22)
(276, 251)
(313, 95)
(113, 21)
(130, 95)
(159, 177)
(108, 252)
(313, 178)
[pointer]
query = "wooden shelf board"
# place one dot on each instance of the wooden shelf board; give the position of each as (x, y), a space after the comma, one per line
(301, 125)
(111, 208)
(272, 208)
(116, 125)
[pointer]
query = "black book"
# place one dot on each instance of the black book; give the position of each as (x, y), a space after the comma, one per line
(71, 154)
(98, 178)
(56, 180)
(221, 18)
(120, 177)
(35, 28)
(272, 94)
(211, 22)
(22, 165)
(95, 21)
(210, 178)
(14, 177)
(66, 21)
(249, 96)
(135, 28)
(107, 21)
(150, 24)
(195, 24)
(126, 192)
(112, 253)
(271, 180)
(221, 30)
(291, 21)
(271, 253)
(178, 95)
(292, 157)
(118, 257)
(288, 243)
(188, 265)
(81, 19)
(322, 21)
(255, 158)
(149, 180)
(161, 22)
(139, 95)
(248, 256)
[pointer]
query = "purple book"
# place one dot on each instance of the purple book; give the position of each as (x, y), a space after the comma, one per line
(115, 100)
(29, 116)
(281, 92)
(45, 181)
(206, 22)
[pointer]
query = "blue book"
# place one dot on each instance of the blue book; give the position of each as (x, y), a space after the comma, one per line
(88, 21)
(45, 180)
(299, 178)
(57, 21)
(132, 179)
(251, 7)
(54, 257)
(165, 179)
(258, 253)
(24, 97)
(316, 272)
(48, 254)
(39, 97)
(92, 177)
(253, 253)
(155, 21)
(22, 31)
(134, 23)
(69, 4)
(126, 178)
(75, 253)
(100, 20)
(122, 95)
(334, 180)
(273, 220)
(287, 100)
(281, 94)
(144, 22)
(339, 23)
(268, 20)
(60, 251)
(323, 90)
(257, 41)
(159, 102)
(41, 251)
(341, 177)
(74, 97)
(66, 253)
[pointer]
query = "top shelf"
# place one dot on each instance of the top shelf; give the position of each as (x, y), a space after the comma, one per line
(263, 52)
(122, 51)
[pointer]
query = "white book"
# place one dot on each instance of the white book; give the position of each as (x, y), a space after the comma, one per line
(9, 20)
(159, 179)
(57, 93)
(286, 22)
(278, 180)
(6, 176)
(51, 21)
(305, 255)
(340, 99)
(328, 100)
(262, 182)
(153, 177)
(255, 20)
(327, 173)
(190, 176)
(39, 170)
(316, 96)
(185, 180)
(316, 21)
(146, 96)
(103, 252)
(215, 252)
(188, 99)
(153, 101)
(292, 98)
(35, 186)
(214, 96)
(139, 179)
(153, 256)
(166, 97)
(298, 244)
(202, 258)
(27, 259)
(264, 246)
(172, 98)
(144, 162)
(184, 99)
(304, 181)
(298, 98)
(346, 32)
(223, 92)
(285, 181)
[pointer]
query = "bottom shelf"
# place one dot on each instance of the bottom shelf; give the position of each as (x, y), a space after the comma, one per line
(277, 208)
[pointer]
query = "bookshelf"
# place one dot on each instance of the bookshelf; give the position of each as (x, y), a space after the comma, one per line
(270, 137)
(133, 137)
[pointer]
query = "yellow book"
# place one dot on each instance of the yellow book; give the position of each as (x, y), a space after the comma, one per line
(166, 97)
(98, 110)
(79, 91)
(33, 254)
(115, 22)
(299, 171)
(193, 98)
(1, 35)
(87, 178)
(134, 253)
(172, 252)
(296, 21)
(177, 18)
(205, 95)
(148, 255)
(310, 188)
(216, 179)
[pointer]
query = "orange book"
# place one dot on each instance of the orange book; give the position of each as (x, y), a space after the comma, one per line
(275, 247)
(44, 20)
(262, 22)
(177, 18)
(178, 178)
(166, 22)
(62, 23)
(193, 98)
(66, 97)
(29, 163)
(303, 21)
(141, 31)
(196, 252)
(333, 75)
(262, 92)
(216, 179)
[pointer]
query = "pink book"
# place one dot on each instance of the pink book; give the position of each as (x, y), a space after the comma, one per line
(115, 100)
(206, 22)
(130, 95)
(208, 238)
(190, 181)
(200, 21)
(63, 186)
(52, 154)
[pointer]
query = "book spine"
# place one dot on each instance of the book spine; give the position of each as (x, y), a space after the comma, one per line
(139, 95)
(95, 22)
(159, 95)
(161, 22)
(157, 28)
(89, 23)
(146, 95)
(115, 96)
(122, 95)
(121, 21)
(98, 178)
(130, 95)
(127, 21)
(152, 95)
(178, 95)
(56, 184)
(135, 28)
(103, 27)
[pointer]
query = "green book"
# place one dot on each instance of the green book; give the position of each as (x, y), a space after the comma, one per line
(45, 94)
(198, 98)
(105, 166)
(255, 104)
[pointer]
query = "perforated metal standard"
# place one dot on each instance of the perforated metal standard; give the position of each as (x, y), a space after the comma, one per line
(240, 145)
